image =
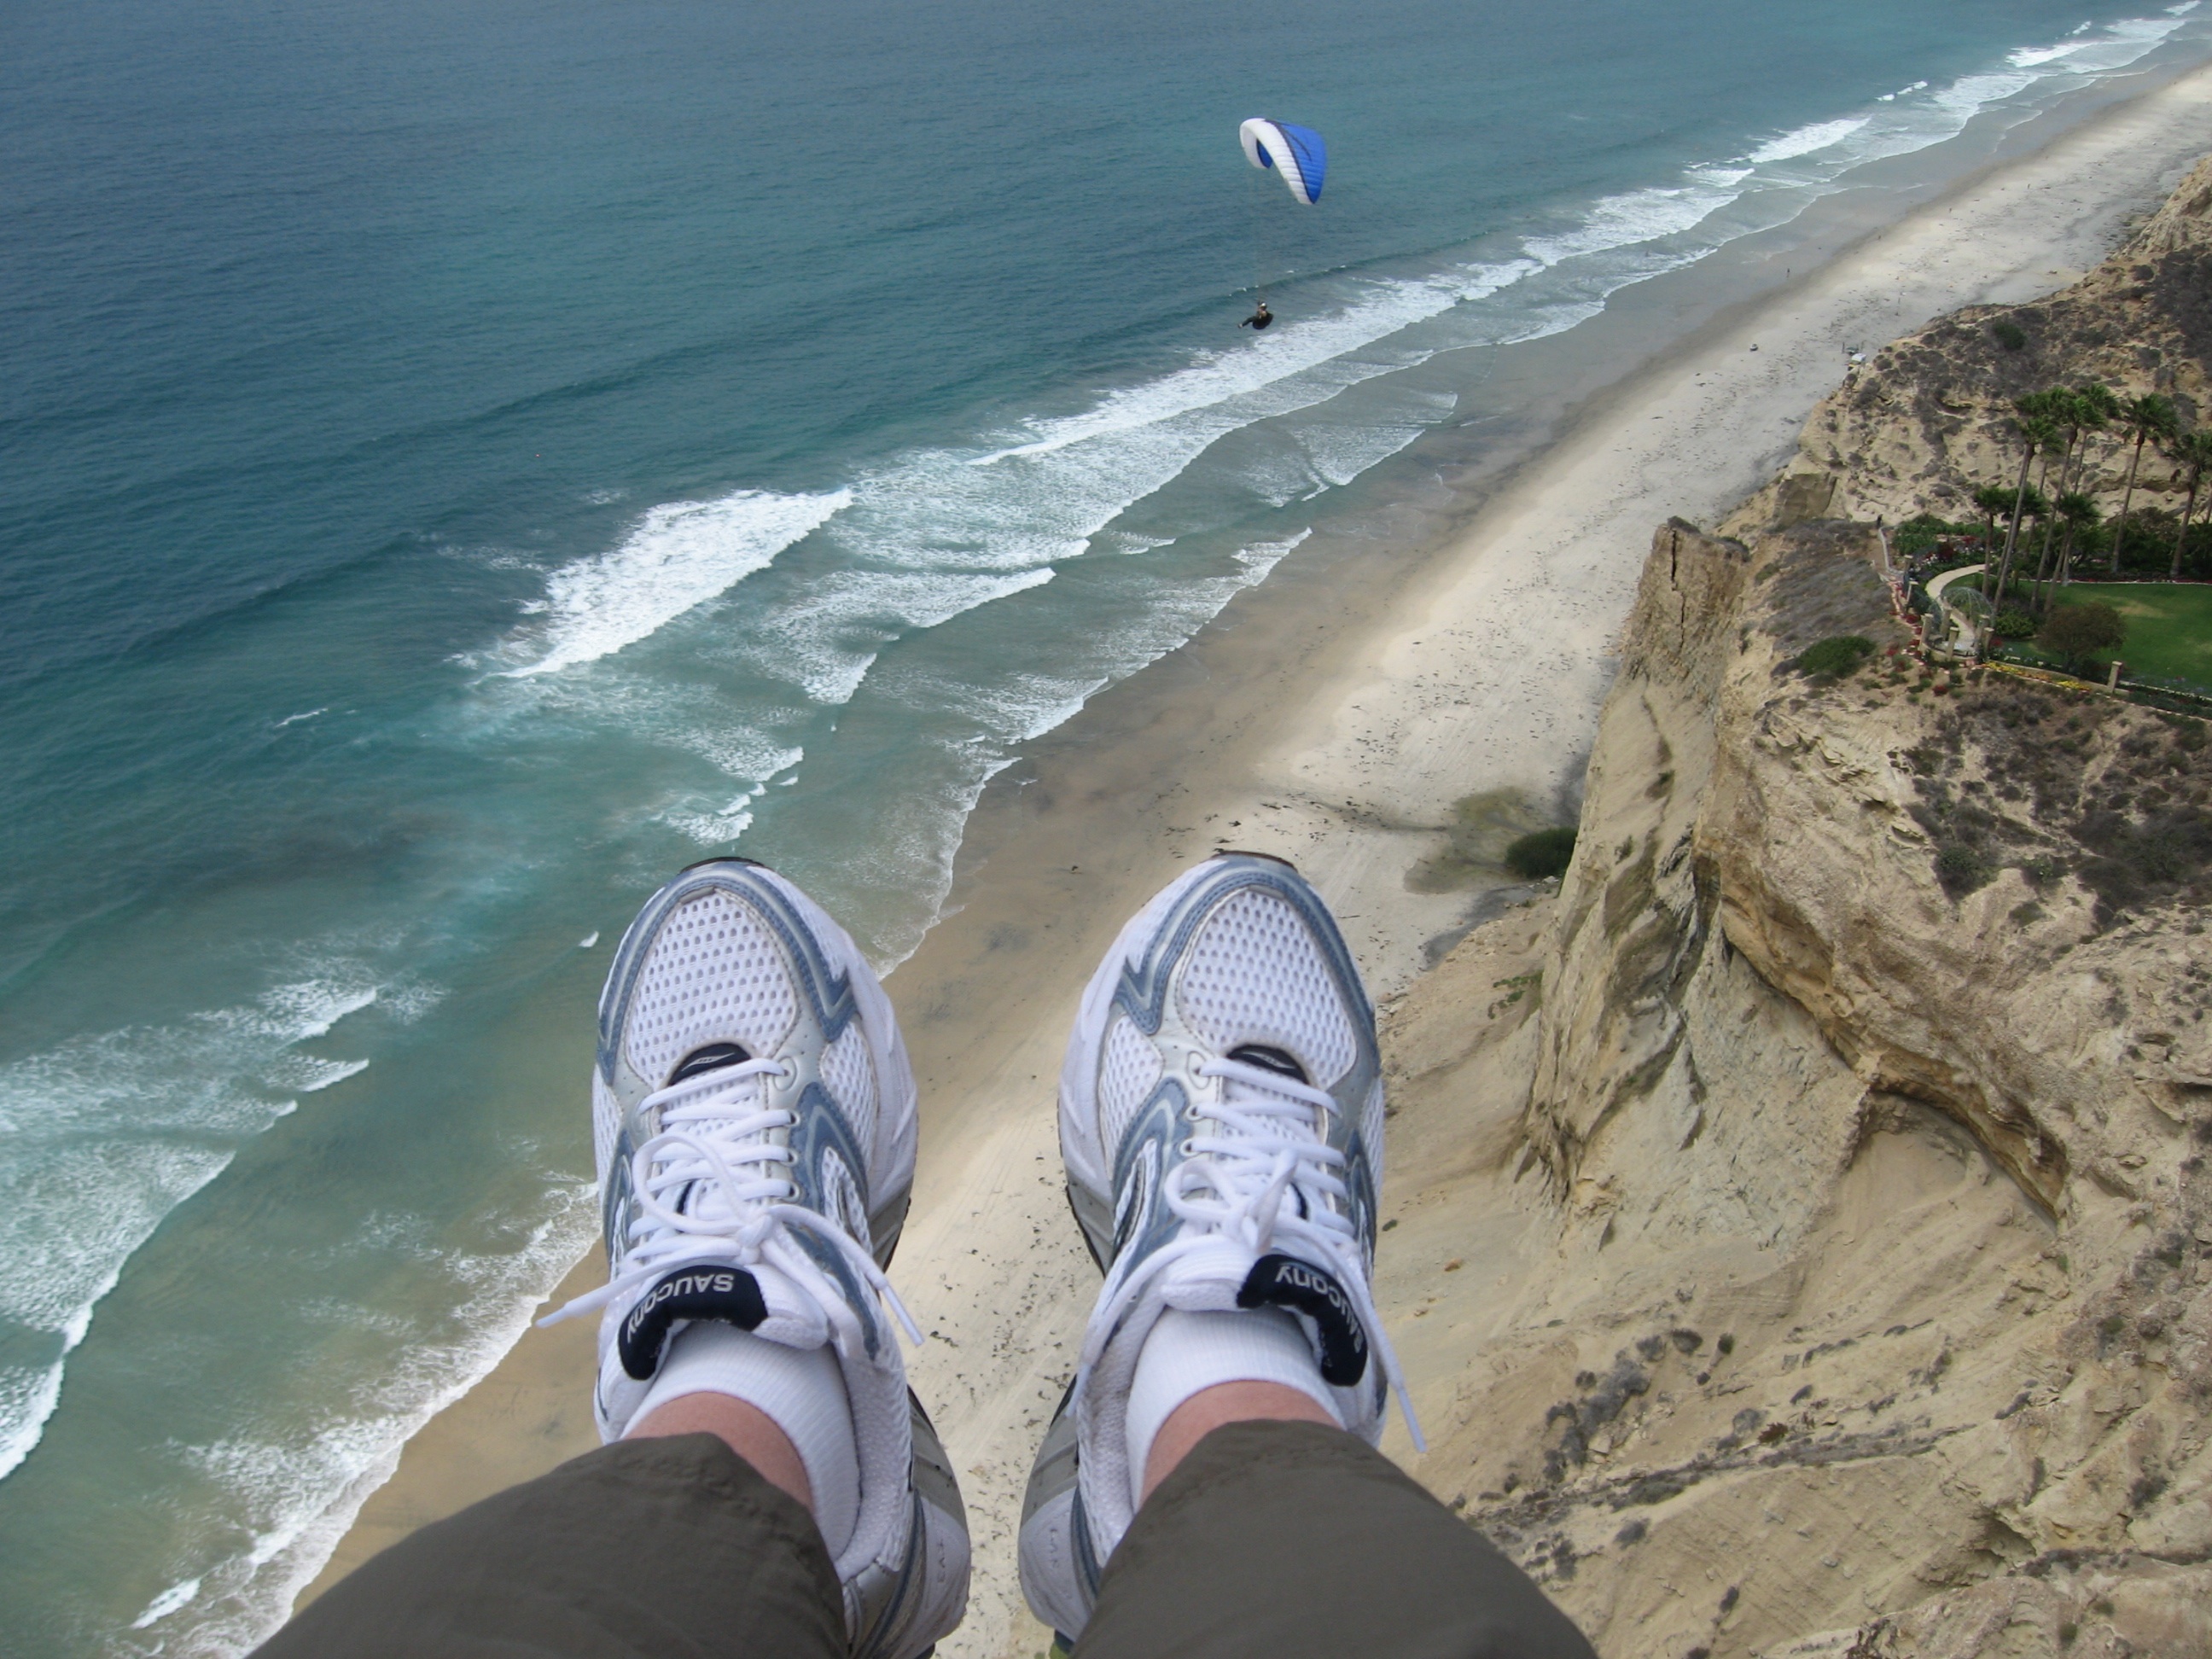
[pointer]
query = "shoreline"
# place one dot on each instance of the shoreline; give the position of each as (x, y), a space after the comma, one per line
(1334, 714)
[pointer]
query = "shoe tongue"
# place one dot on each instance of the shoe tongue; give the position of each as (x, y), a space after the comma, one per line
(1269, 1059)
(711, 1058)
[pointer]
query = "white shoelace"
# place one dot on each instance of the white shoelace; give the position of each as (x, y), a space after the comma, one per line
(710, 1133)
(1231, 1185)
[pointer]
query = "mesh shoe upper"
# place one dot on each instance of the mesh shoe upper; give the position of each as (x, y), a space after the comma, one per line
(1221, 1118)
(754, 1120)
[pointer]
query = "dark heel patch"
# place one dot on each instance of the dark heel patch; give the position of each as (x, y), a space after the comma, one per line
(729, 1294)
(1284, 1281)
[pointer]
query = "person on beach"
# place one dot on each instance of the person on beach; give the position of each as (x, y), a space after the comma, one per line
(770, 1486)
(1259, 318)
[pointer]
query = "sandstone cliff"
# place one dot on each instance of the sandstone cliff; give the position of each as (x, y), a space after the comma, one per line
(1925, 419)
(1818, 1179)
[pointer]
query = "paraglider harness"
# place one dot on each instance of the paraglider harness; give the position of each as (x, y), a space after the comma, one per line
(1260, 318)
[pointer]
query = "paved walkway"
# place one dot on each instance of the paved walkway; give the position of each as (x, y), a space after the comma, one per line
(1958, 628)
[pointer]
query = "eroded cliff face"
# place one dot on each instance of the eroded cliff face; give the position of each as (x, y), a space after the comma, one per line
(1818, 1179)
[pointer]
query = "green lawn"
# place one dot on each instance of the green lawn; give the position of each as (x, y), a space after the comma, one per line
(2169, 627)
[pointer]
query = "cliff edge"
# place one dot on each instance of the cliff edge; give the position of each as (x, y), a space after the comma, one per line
(1818, 1177)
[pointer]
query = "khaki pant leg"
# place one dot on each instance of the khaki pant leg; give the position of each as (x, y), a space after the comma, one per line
(1290, 1539)
(671, 1548)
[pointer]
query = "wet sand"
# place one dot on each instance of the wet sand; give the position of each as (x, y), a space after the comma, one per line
(1336, 714)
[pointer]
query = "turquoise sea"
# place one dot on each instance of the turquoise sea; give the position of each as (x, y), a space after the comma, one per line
(459, 461)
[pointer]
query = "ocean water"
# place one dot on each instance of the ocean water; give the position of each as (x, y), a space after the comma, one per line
(462, 461)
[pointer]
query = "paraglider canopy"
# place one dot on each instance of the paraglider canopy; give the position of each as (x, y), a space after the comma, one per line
(1296, 153)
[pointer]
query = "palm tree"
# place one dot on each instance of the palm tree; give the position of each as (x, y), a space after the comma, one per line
(1990, 501)
(2100, 404)
(2034, 508)
(2084, 409)
(2146, 419)
(2048, 404)
(2079, 510)
(2192, 453)
(2038, 433)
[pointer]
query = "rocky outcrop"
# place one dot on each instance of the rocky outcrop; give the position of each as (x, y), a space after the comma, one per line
(1829, 1151)
(1927, 419)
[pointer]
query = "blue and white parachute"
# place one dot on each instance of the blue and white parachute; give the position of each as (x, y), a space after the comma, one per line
(1296, 153)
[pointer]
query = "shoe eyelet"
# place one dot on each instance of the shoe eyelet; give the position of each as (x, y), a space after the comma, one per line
(1188, 1148)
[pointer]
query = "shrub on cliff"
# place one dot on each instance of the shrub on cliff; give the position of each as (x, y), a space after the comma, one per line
(1926, 533)
(1836, 656)
(1960, 869)
(1545, 852)
(2078, 631)
(2011, 335)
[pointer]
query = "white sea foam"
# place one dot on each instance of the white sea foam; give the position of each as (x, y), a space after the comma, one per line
(1289, 349)
(679, 556)
(308, 1074)
(28, 1399)
(168, 1602)
(1805, 140)
(293, 1487)
(2120, 43)
(826, 642)
(106, 1135)
(922, 837)
(713, 827)
(1634, 216)
(938, 533)
(1341, 453)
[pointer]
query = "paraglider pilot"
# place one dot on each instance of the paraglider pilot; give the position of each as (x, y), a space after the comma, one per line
(1299, 158)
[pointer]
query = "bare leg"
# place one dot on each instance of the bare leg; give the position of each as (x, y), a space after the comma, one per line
(752, 1434)
(1199, 1416)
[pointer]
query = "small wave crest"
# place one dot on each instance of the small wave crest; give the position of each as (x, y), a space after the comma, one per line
(679, 556)
(1807, 140)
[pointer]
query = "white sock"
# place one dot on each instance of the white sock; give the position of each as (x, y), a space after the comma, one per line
(802, 1391)
(1185, 1352)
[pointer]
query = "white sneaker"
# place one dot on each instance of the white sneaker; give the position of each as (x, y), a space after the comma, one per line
(754, 1116)
(1221, 1120)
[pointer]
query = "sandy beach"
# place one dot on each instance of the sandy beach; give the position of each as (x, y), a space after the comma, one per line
(1339, 714)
